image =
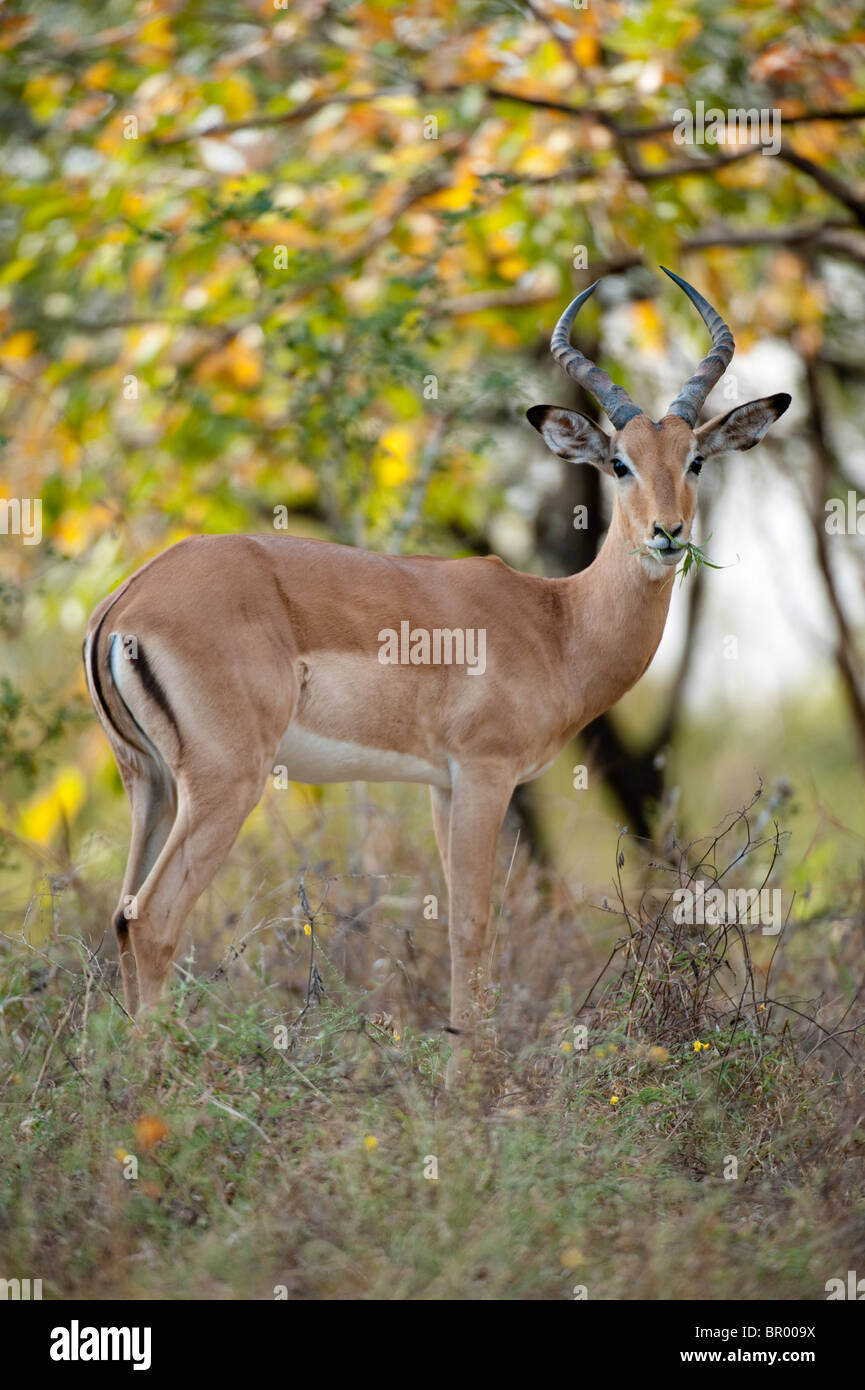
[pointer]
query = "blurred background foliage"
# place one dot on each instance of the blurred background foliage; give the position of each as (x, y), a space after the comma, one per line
(297, 265)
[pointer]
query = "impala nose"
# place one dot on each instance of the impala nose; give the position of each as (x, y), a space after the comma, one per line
(661, 532)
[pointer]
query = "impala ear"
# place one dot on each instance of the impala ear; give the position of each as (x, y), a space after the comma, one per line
(743, 427)
(570, 435)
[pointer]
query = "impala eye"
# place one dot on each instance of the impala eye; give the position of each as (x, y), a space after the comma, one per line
(695, 466)
(620, 469)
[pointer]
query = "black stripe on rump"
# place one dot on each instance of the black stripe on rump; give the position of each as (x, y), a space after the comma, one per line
(154, 688)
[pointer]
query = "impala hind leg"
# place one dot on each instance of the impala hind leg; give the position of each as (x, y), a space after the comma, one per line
(153, 804)
(210, 813)
(480, 799)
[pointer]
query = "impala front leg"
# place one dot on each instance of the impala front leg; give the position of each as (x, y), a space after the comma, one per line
(480, 798)
(440, 802)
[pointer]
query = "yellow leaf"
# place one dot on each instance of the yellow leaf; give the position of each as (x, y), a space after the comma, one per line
(538, 160)
(72, 532)
(503, 335)
(480, 61)
(586, 50)
(44, 93)
(512, 267)
(392, 463)
(18, 347)
(399, 105)
(132, 203)
(237, 97)
(157, 33)
(99, 74)
(61, 802)
(648, 326)
(244, 364)
(282, 231)
(458, 196)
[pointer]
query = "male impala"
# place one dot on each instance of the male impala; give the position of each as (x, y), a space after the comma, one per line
(228, 655)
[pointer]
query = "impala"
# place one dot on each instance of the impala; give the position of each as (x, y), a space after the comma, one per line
(228, 655)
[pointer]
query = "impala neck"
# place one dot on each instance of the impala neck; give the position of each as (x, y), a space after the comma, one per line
(618, 611)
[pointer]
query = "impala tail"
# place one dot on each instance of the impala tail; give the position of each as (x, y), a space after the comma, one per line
(119, 722)
(128, 697)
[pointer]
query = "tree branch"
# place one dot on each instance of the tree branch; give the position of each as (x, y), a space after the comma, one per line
(420, 88)
(845, 648)
(839, 237)
(830, 184)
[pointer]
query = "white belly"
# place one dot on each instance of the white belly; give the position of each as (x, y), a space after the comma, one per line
(309, 757)
(536, 770)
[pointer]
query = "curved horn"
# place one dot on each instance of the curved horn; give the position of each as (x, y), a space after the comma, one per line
(695, 390)
(613, 399)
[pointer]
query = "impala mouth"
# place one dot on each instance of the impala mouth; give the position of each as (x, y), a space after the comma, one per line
(665, 552)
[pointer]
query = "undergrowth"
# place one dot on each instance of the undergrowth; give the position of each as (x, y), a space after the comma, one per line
(678, 1118)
